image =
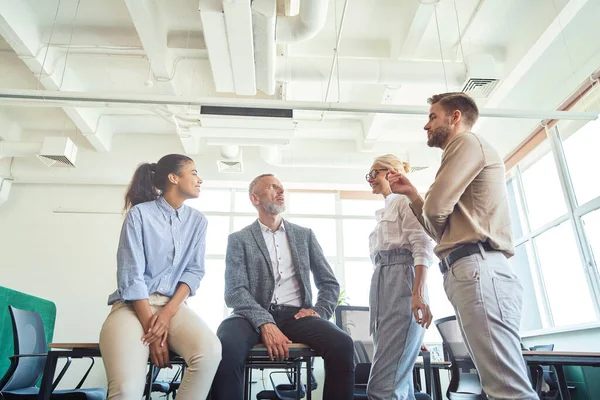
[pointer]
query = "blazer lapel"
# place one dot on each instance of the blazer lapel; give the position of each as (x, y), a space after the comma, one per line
(260, 241)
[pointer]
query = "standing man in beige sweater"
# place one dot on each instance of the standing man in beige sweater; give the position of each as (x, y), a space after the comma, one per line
(466, 212)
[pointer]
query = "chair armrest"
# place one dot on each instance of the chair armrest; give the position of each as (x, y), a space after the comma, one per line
(27, 355)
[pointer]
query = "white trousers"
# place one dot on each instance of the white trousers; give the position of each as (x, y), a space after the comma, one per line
(125, 357)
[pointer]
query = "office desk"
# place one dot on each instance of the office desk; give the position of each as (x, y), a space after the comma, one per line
(558, 359)
(63, 350)
(78, 350)
(435, 390)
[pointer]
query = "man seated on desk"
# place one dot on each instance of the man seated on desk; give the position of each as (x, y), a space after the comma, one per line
(267, 283)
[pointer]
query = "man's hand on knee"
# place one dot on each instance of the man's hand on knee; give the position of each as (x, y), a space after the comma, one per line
(275, 341)
(306, 312)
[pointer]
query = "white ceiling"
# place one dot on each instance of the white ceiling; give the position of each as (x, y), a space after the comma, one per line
(542, 49)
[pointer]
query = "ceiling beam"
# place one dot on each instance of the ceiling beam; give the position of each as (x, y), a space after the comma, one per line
(10, 131)
(552, 32)
(155, 40)
(19, 28)
(372, 124)
(153, 35)
(405, 42)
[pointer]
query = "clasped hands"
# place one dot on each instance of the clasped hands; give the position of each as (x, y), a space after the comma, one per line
(155, 336)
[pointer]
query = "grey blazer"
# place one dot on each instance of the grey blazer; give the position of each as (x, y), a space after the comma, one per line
(249, 281)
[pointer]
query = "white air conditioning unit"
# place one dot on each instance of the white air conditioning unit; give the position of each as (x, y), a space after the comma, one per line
(58, 151)
(53, 151)
(482, 77)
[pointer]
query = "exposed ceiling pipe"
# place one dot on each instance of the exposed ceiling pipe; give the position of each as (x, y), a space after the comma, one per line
(264, 14)
(27, 97)
(5, 185)
(309, 21)
(230, 151)
(322, 157)
(238, 21)
(270, 29)
(217, 44)
(19, 149)
(370, 71)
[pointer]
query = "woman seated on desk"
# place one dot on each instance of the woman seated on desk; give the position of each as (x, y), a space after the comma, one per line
(160, 262)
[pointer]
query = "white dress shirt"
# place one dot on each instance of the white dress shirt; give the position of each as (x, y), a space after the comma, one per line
(398, 228)
(287, 288)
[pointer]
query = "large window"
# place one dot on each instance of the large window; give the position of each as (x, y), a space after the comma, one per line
(554, 200)
(341, 222)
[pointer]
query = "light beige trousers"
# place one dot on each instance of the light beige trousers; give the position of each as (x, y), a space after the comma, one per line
(125, 357)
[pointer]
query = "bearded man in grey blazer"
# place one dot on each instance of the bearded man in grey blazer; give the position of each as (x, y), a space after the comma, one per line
(267, 283)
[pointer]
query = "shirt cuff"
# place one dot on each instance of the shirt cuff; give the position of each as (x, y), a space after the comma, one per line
(423, 261)
(137, 291)
(191, 280)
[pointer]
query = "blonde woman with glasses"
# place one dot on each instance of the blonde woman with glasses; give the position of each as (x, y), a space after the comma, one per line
(401, 252)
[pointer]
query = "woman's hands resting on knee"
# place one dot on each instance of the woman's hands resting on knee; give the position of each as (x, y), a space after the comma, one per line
(157, 327)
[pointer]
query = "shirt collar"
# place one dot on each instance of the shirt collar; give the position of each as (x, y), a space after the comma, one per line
(169, 211)
(265, 228)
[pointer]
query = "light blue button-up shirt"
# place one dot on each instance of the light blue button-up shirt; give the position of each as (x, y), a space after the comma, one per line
(159, 248)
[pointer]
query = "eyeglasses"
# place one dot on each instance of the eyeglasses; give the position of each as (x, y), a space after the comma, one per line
(373, 174)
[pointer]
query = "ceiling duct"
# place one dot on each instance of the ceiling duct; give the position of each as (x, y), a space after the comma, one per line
(223, 126)
(482, 77)
(53, 151)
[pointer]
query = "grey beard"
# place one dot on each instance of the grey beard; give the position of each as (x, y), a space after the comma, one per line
(273, 208)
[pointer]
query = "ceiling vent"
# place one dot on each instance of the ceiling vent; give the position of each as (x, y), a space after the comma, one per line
(58, 152)
(482, 77)
(480, 87)
(228, 166)
(231, 160)
(417, 169)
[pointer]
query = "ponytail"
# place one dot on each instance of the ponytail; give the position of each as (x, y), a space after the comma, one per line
(141, 189)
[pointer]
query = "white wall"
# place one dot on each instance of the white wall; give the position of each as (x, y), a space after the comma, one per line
(581, 340)
(66, 258)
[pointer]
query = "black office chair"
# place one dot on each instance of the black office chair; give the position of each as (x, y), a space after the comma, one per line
(549, 375)
(287, 391)
(27, 365)
(464, 381)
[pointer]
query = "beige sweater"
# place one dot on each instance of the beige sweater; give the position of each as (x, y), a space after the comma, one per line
(468, 201)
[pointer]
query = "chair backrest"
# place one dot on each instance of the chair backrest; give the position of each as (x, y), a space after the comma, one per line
(24, 301)
(464, 375)
(354, 320)
(29, 338)
(549, 376)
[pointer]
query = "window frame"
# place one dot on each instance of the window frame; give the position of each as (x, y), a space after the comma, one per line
(574, 214)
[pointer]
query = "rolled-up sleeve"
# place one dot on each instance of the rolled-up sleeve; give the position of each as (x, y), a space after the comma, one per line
(420, 243)
(194, 271)
(131, 261)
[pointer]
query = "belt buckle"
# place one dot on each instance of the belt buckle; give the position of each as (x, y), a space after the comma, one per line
(271, 307)
(444, 266)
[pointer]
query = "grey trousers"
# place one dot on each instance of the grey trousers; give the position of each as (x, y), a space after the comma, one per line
(397, 337)
(487, 298)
